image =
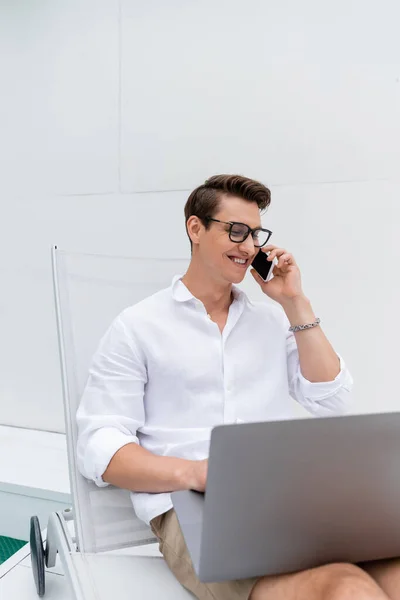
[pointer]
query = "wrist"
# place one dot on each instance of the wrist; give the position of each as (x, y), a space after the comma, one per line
(299, 310)
(185, 474)
(295, 300)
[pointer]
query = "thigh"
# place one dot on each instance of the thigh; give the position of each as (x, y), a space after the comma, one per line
(387, 575)
(173, 547)
(340, 580)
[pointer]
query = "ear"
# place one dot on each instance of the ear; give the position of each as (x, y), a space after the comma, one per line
(194, 228)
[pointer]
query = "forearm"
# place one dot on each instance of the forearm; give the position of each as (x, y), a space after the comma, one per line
(135, 468)
(318, 360)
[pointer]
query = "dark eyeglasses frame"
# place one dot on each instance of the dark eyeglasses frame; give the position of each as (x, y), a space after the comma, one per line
(249, 230)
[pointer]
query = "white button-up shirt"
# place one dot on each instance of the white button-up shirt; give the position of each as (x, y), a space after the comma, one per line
(164, 376)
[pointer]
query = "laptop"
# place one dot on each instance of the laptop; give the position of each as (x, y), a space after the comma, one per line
(284, 496)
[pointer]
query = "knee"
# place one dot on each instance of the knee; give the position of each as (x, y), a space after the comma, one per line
(344, 581)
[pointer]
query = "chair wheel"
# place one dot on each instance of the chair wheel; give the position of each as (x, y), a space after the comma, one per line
(37, 556)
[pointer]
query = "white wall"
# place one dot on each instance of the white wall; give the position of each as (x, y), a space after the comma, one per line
(110, 112)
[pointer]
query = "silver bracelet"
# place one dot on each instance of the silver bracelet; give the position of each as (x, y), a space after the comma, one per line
(295, 328)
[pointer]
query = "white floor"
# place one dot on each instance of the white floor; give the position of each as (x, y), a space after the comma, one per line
(16, 575)
(28, 481)
(26, 488)
(16, 579)
(18, 583)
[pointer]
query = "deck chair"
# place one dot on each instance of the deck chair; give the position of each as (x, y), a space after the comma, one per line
(101, 559)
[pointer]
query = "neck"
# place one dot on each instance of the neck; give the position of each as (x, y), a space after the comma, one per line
(215, 295)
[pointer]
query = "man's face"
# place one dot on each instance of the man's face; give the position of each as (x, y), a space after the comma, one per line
(221, 256)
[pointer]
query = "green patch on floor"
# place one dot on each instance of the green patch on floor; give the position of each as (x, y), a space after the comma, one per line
(8, 547)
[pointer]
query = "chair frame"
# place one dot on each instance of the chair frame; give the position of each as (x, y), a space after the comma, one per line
(59, 539)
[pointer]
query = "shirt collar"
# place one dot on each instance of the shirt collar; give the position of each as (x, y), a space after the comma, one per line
(181, 293)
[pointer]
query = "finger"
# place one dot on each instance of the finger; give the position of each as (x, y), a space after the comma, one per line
(276, 253)
(276, 272)
(285, 259)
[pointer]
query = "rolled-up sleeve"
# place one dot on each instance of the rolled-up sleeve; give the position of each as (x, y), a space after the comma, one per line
(325, 398)
(111, 408)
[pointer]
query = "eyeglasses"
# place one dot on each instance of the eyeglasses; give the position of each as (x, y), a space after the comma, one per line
(239, 232)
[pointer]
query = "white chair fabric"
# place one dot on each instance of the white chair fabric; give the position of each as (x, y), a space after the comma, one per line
(90, 291)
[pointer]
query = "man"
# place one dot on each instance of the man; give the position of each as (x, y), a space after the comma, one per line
(199, 354)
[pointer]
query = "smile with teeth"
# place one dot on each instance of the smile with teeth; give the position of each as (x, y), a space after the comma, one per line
(239, 261)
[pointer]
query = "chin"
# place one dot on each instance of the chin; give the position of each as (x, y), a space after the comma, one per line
(236, 278)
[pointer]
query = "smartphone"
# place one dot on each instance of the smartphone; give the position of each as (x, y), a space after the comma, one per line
(263, 266)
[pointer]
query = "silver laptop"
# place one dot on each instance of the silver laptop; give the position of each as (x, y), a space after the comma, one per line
(284, 496)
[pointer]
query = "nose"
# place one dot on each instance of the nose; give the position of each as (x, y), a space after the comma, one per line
(248, 245)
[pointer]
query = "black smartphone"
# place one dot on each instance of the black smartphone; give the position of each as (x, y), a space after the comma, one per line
(263, 266)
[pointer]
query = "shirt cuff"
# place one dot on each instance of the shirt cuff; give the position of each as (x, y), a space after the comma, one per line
(318, 390)
(101, 447)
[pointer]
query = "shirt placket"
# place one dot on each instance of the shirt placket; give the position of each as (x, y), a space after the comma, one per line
(227, 366)
(228, 398)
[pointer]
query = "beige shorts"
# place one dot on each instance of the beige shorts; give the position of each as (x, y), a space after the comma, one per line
(172, 546)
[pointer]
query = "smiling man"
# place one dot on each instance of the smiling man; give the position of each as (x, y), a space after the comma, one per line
(199, 354)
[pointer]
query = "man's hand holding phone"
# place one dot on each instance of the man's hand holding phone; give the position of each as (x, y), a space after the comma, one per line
(285, 285)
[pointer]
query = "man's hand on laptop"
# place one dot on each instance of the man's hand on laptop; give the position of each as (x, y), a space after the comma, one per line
(196, 475)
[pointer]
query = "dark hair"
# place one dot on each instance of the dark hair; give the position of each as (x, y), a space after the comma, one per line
(204, 200)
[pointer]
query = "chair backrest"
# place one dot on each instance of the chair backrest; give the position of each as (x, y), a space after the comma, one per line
(90, 291)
